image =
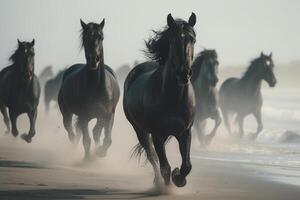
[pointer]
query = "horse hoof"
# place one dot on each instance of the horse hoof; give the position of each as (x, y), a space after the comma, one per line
(177, 179)
(26, 137)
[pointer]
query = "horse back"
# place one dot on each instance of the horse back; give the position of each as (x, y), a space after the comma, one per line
(137, 71)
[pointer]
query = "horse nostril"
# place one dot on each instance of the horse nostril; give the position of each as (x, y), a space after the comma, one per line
(97, 58)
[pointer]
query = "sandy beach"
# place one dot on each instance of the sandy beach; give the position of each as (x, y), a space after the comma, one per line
(51, 168)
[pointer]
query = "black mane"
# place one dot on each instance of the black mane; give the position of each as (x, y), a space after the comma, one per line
(13, 58)
(196, 67)
(252, 67)
(157, 47)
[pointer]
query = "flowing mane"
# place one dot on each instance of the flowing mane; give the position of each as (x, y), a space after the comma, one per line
(196, 67)
(252, 67)
(157, 47)
(13, 58)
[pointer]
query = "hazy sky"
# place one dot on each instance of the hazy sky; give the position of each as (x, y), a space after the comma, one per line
(237, 29)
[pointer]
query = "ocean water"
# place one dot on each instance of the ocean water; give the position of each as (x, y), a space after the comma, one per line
(275, 154)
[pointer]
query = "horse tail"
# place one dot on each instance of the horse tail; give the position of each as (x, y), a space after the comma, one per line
(137, 151)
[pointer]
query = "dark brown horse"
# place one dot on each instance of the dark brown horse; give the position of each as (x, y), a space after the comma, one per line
(242, 96)
(159, 98)
(20, 89)
(90, 91)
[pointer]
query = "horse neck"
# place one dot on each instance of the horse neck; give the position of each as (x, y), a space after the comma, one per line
(201, 82)
(251, 83)
(170, 88)
(96, 78)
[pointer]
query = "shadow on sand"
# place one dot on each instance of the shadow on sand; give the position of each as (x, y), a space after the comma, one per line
(20, 164)
(53, 194)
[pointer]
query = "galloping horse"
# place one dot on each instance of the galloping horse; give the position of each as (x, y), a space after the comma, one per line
(51, 89)
(159, 98)
(20, 89)
(90, 91)
(204, 80)
(243, 96)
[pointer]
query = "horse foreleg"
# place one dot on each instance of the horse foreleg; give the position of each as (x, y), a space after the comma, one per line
(211, 135)
(102, 150)
(226, 117)
(86, 140)
(200, 127)
(97, 131)
(32, 119)
(257, 116)
(67, 121)
(5, 118)
(165, 168)
(240, 121)
(179, 176)
(13, 120)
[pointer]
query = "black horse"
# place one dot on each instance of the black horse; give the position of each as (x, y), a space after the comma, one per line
(45, 75)
(90, 91)
(51, 90)
(204, 80)
(159, 98)
(20, 89)
(243, 96)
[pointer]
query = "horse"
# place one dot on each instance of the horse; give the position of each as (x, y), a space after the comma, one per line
(159, 98)
(51, 89)
(20, 89)
(45, 75)
(243, 96)
(204, 80)
(90, 91)
(122, 73)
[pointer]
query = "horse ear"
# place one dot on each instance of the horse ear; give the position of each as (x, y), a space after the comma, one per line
(261, 54)
(32, 42)
(102, 23)
(270, 55)
(83, 25)
(192, 20)
(171, 21)
(19, 42)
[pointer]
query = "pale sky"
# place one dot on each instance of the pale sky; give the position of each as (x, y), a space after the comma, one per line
(238, 29)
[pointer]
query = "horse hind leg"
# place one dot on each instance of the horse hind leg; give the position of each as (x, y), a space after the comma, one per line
(5, 118)
(211, 135)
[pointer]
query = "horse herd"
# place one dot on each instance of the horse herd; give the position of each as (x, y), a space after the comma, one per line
(163, 97)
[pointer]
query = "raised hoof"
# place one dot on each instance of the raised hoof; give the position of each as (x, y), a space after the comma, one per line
(101, 152)
(26, 137)
(177, 179)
